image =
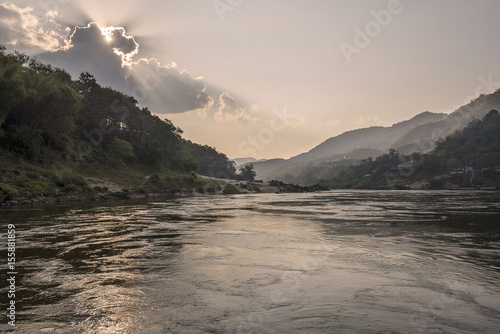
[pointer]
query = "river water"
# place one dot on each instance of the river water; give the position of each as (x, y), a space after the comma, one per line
(329, 262)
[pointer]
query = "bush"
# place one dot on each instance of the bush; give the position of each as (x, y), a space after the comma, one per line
(8, 191)
(254, 187)
(99, 189)
(71, 183)
(437, 184)
(121, 149)
(155, 179)
(230, 189)
(274, 183)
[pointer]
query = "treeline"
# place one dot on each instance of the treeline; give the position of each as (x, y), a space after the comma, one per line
(48, 118)
(385, 171)
(476, 146)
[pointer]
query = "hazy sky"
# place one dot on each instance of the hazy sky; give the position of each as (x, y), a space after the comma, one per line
(270, 78)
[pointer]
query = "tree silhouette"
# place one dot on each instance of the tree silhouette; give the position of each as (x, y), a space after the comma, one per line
(247, 173)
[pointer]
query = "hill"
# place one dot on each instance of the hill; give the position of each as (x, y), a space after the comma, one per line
(243, 161)
(418, 134)
(373, 137)
(56, 134)
(422, 138)
(468, 158)
(312, 172)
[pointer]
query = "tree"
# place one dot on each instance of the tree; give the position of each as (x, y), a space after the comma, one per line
(37, 109)
(121, 149)
(86, 82)
(248, 173)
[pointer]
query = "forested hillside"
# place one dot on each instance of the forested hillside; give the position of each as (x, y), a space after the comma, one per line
(54, 131)
(468, 158)
(477, 145)
(418, 134)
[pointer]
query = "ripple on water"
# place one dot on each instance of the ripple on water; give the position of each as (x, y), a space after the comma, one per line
(340, 261)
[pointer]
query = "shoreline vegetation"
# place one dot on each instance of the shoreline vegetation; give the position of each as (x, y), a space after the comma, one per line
(59, 135)
(64, 140)
(94, 189)
(100, 190)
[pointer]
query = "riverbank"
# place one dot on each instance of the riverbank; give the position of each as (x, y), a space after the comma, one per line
(95, 189)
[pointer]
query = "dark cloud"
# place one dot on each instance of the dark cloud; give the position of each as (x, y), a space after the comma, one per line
(88, 51)
(107, 53)
(167, 87)
(164, 89)
(8, 17)
(121, 42)
(105, 38)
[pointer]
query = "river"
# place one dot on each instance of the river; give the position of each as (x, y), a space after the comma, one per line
(328, 262)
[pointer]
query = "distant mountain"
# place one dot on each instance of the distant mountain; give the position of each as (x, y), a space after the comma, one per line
(377, 137)
(265, 167)
(242, 161)
(422, 138)
(313, 171)
(477, 146)
(417, 134)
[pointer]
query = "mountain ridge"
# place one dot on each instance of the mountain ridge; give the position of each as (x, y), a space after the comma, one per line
(417, 134)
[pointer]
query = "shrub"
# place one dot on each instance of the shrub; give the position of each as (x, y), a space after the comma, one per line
(155, 179)
(8, 191)
(230, 189)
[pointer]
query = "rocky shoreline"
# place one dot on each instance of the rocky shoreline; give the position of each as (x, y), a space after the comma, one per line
(110, 191)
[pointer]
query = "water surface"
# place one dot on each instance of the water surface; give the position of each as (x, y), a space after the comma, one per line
(332, 262)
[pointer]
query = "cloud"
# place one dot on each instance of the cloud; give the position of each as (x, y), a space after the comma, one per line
(86, 50)
(166, 87)
(113, 38)
(109, 54)
(227, 103)
(113, 57)
(25, 31)
(229, 110)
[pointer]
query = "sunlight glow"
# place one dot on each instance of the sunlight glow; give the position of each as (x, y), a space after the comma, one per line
(108, 32)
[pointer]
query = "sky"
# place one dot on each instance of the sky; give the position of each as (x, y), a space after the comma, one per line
(270, 78)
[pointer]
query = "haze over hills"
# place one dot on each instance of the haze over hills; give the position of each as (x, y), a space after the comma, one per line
(417, 134)
(421, 136)
(377, 137)
(243, 161)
